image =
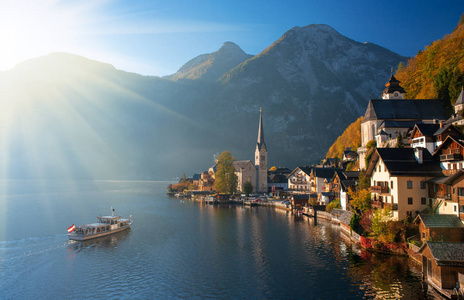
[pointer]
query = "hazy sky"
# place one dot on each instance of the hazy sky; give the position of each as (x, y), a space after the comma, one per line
(158, 37)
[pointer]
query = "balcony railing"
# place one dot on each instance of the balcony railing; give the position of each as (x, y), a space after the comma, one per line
(377, 204)
(451, 157)
(379, 189)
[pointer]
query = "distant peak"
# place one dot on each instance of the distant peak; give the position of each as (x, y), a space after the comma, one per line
(230, 47)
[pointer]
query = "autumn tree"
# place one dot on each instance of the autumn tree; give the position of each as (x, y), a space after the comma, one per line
(226, 180)
(360, 200)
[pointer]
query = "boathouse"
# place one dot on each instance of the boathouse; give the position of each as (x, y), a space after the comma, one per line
(443, 264)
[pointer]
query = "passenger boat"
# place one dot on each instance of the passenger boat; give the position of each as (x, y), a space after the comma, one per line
(106, 225)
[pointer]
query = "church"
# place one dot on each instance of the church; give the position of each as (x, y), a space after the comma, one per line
(255, 173)
(392, 115)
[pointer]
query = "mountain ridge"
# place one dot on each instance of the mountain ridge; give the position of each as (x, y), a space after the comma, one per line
(130, 126)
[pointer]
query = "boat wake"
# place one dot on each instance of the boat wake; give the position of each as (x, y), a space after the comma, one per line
(23, 248)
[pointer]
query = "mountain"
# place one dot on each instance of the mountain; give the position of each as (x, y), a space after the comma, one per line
(211, 66)
(65, 116)
(312, 83)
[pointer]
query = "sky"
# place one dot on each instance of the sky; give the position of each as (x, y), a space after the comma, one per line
(158, 37)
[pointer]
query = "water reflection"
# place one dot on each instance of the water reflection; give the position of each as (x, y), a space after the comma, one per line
(385, 276)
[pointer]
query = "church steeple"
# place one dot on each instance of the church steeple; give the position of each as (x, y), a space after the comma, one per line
(261, 158)
(260, 144)
(393, 89)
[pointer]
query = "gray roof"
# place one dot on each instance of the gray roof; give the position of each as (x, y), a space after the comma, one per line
(402, 161)
(382, 109)
(443, 221)
(239, 164)
(325, 172)
(446, 253)
(345, 217)
(428, 129)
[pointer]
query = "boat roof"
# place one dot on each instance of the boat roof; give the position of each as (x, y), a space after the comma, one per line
(110, 217)
(94, 225)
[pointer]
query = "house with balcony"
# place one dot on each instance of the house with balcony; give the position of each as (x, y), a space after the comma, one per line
(299, 180)
(448, 193)
(450, 154)
(431, 136)
(399, 179)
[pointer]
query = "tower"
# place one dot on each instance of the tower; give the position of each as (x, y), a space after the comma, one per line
(393, 89)
(261, 158)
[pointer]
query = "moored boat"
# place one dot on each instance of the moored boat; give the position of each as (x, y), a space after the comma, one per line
(106, 225)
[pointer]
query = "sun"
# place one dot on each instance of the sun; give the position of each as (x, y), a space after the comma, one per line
(33, 28)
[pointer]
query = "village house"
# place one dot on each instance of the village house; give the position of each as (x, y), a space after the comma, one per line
(340, 183)
(387, 118)
(278, 181)
(299, 180)
(448, 193)
(431, 136)
(206, 182)
(440, 228)
(318, 179)
(398, 179)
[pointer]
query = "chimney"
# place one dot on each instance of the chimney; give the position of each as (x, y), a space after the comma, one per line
(441, 124)
(419, 154)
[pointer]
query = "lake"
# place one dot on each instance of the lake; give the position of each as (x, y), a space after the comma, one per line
(181, 249)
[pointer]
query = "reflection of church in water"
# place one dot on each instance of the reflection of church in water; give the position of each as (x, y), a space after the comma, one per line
(255, 173)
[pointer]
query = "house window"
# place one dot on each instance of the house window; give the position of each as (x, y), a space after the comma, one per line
(410, 200)
(392, 199)
(454, 191)
(455, 208)
(391, 184)
(409, 184)
(461, 192)
(423, 235)
(423, 201)
(422, 184)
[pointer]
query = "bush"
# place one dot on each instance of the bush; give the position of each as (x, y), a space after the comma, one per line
(334, 204)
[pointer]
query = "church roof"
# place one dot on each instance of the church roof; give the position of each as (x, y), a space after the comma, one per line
(460, 99)
(260, 143)
(382, 109)
(393, 85)
(240, 164)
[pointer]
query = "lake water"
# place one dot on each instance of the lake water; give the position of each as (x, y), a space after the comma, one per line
(179, 249)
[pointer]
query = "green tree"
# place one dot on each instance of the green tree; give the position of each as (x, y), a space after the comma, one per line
(226, 180)
(380, 220)
(247, 188)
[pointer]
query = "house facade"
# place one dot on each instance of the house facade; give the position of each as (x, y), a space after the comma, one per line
(398, 179)
(299, 180)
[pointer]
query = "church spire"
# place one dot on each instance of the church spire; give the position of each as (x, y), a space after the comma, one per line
(260, 142)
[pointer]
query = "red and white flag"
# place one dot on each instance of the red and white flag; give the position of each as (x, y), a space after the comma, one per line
(72, 228)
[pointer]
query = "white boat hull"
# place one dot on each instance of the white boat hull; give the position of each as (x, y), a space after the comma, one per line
(82, 237)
